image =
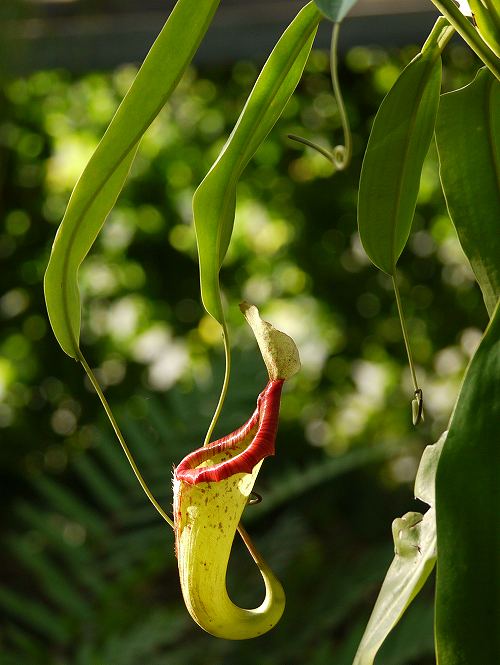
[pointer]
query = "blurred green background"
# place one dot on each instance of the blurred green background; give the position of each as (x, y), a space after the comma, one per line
(87, 569)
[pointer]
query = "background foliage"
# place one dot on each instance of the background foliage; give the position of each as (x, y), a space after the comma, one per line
(88, 571)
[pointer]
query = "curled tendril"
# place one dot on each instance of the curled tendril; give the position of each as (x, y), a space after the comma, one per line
(340, 155)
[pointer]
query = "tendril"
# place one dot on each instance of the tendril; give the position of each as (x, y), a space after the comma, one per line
(340, 155)
(225, 385)
(418, 397)
(119, 435)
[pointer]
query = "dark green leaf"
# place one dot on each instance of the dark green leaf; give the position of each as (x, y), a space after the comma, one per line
(398, 144)
(468, 509)
(35, 614)
(296, 482)
(76, 558)
(214, 201)
(104, 491)
(468, 140)
(57, 586)
(69, 503)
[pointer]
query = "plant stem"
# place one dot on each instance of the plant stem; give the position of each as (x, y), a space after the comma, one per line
(250, 546)
(341, 154)
(120, 438)
(225, 384)
(311, 144)
(469, 34)
(405, 333)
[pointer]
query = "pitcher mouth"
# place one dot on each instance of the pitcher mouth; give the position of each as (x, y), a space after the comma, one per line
(240, 451)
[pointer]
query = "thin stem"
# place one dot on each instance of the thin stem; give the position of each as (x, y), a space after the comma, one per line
(405, 333)
(120, 438)
(250, 546)
(310, 144)
(225, 384)
(469, 34)
(341, 154)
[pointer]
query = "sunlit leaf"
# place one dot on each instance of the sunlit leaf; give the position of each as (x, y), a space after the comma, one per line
(487, 17)
(415, 555)
(468, 140)
(214, 201)
(102, 180)
(468, 509)
(75, 237)
(398, 144)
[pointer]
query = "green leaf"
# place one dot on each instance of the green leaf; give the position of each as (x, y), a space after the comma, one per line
(76, 235)
(57, 586)
(102, 180)
(415, 555)
(398, 144)
(468, 509)
(335, 10)
(214, 201)
(468, 141)
(44, 620)
(71, 504)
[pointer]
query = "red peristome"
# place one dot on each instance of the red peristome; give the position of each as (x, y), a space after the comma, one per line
(264, 418)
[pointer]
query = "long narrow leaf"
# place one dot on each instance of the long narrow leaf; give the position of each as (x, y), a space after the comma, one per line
(60, 588)
(71, 506)
(468, 141)
(214, 201)
(297, 482)
(468, 509)
(398, 144)
(103, 489)
(415, 555)
(35, 614)
(78, 559)
(102, 180)
(487, 19)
